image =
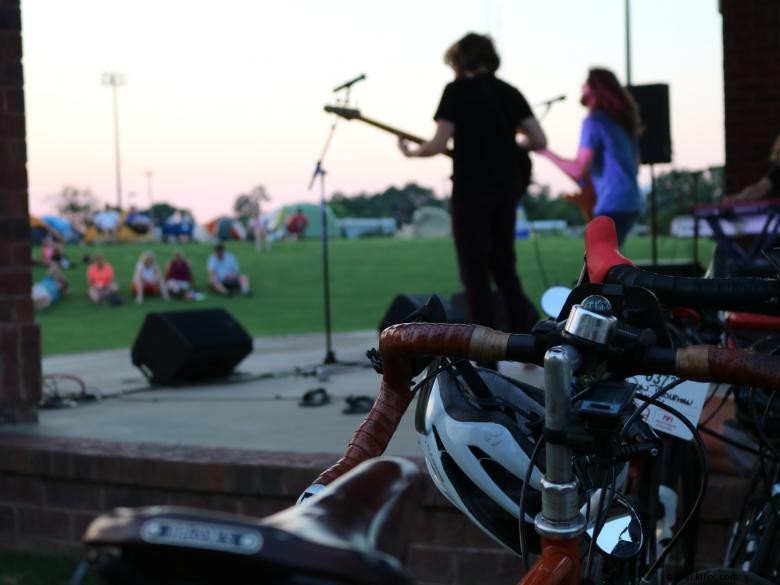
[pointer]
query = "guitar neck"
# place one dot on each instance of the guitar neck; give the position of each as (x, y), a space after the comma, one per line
(396, 131)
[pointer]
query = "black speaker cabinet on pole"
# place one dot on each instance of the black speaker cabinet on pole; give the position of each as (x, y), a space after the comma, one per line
(655, 142)
(184, 346)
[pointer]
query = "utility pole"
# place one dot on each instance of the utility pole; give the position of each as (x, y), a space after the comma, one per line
(149, 175)
(628, 42)
(115, 80)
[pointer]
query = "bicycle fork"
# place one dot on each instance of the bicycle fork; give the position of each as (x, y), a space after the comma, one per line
(560, 523)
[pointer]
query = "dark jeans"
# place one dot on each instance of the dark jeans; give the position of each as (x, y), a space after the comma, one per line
(484, 231)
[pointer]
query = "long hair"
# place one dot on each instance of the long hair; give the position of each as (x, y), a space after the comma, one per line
(614, 100)
(472, 53)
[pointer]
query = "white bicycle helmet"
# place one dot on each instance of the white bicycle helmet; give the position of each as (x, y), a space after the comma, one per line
(478, 448)
(477, 430)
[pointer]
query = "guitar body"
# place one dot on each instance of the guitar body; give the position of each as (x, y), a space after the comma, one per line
(585, 199)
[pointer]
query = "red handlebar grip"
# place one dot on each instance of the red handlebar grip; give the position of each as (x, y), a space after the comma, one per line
(601, 248)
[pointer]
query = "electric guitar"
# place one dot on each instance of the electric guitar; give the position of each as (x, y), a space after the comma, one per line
(523, 162)
(354, 114)
(585, 199)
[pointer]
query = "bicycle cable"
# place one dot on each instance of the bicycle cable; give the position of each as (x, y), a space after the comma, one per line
(704, 468)
(765, 442)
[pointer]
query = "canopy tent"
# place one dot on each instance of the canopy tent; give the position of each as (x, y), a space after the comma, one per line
(312, 213)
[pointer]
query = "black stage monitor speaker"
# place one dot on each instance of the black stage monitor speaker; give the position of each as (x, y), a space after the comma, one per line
(655, 143)
(403, 304)
(182, 346)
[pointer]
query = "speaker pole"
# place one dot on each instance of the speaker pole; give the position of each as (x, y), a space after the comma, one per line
(696, 175)
(653, 219)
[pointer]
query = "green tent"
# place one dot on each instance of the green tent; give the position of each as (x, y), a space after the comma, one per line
(312, 213)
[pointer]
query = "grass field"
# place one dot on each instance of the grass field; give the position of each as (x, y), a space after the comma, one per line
(365, 275)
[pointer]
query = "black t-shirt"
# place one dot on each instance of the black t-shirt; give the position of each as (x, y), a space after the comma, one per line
(486, 113)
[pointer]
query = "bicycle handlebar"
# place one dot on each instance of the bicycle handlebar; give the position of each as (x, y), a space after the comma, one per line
(401, 343)
(606, 264)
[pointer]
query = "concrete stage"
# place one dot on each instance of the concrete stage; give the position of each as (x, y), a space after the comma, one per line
(257, 409)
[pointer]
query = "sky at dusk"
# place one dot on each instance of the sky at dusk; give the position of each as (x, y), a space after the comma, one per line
(222, 96)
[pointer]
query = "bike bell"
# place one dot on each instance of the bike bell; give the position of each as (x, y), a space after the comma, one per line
(591, 321)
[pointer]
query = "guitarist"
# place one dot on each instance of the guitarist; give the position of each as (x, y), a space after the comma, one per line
(609, 150)
(491, 171)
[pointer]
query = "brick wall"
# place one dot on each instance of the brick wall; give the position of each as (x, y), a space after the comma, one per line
(20, 355)
(751, 79)
(51, 488)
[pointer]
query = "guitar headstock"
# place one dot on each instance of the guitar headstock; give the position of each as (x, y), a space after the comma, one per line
(348, 113)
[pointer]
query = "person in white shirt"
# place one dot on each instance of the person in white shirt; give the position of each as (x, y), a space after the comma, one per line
(225, 273)
(148, 279)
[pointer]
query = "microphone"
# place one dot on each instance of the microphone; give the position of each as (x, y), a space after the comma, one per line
(551, 101)
(350, 83)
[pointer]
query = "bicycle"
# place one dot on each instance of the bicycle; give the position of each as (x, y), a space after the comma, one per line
(583, 348)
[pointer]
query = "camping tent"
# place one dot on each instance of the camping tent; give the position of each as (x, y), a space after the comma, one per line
(312, 212)
(39, 230)
(226, 228)
(63, 227)
(125, 233)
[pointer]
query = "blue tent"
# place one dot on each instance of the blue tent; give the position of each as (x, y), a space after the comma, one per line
(63, 227)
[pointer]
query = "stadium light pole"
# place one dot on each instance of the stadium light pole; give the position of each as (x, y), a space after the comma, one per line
(149, 175)
(628, 43)
(115, 80)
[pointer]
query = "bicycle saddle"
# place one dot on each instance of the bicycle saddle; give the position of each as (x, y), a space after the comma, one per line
(352, 532)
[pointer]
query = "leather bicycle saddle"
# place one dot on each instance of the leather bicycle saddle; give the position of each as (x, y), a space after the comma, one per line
(352, 532)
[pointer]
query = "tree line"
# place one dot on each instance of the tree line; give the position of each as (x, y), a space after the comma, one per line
(675, 192)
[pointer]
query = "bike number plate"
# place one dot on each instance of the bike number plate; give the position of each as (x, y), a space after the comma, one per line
(687, 398)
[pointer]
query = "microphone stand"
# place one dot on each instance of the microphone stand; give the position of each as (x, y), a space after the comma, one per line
(319, 175)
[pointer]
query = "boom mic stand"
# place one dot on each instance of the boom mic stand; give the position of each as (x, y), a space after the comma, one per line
(319, 174)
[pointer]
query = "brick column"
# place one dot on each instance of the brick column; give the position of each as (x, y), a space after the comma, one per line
(751, 76)
(20, 344)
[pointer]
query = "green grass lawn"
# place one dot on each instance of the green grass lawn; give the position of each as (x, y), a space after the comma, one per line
(365, 275)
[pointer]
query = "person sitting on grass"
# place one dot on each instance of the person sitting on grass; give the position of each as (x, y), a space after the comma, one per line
(179, 278)
(100, 281)
(224, 272)
(50, 289)
(53, 253)
(147, 279)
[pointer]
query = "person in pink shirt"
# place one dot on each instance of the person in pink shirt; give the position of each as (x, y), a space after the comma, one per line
(101, 285)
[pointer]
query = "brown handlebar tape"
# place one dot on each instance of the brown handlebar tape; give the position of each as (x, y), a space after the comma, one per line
(730, 366)
(399, 345)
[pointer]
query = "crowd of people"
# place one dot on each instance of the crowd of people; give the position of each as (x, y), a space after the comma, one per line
(175, 281)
